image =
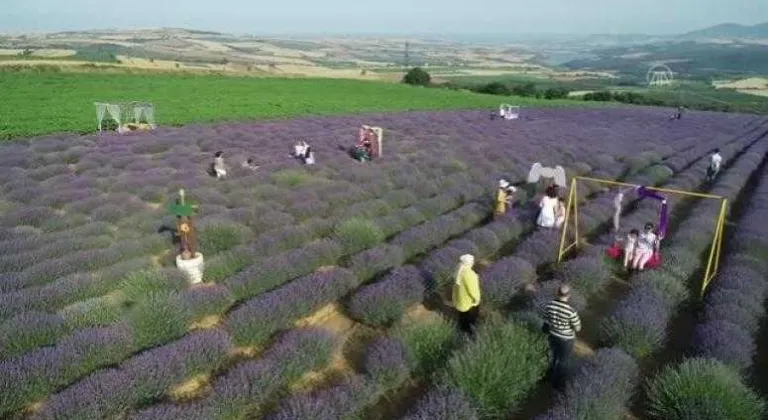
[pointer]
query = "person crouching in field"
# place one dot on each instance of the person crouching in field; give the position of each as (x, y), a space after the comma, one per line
(466, 294)
(219, 168)
(561, 323)
(250, 164)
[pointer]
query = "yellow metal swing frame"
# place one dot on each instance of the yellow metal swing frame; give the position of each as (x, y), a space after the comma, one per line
(572, 215)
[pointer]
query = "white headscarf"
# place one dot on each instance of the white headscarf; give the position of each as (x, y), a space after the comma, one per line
(503, 183)
(466, 262)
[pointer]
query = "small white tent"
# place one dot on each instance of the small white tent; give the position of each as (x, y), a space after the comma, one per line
(509, 112)
(131, 116)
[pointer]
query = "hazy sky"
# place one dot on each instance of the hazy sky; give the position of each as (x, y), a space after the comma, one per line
(383, 16)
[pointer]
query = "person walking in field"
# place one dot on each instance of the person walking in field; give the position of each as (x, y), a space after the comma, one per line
(561, 322)
(466, 294)
(714, 165)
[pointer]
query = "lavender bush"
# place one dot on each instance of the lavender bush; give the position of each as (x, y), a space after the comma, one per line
(257, 319)
(385, 301)
(367, 264)
(600, 389)
(702, 389)
(251, 383)
(386, 362)
(503, 280)
(157, 318)
(639, 325)
(345, 399)
(482, 369)
(427, 344)
(30, 330)
(725, 342)
(446, 403)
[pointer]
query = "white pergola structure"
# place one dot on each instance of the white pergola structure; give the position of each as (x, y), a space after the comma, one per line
(375, 135)
(129, 116)
(509, 112)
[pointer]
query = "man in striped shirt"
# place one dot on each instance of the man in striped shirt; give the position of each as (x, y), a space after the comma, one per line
(562, 323)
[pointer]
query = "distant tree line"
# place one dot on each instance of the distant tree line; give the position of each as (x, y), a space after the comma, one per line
(721, 100)
(528, 90)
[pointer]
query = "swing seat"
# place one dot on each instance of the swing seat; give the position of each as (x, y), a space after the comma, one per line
(654, 262)
(615, 252)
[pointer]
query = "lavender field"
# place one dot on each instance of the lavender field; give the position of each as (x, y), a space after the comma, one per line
(324, 293)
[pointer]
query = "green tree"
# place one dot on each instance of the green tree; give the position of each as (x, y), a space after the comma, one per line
(417, 77)
(528, 89)
(494, 88)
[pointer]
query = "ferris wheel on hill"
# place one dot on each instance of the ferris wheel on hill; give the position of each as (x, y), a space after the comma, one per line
(659, 75)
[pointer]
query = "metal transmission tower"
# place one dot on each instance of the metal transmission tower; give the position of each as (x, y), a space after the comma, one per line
(406, 57)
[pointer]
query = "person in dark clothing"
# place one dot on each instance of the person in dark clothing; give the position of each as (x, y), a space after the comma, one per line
(561, 323)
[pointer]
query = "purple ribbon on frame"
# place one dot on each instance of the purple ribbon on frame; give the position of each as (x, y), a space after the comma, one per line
(645, 192)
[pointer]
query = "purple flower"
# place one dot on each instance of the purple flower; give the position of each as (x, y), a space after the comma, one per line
(295, 353)
(385, 301)
(281, 268)
(503, 280)
(445, 403)
(725, 342)
(602, 387)
(385, 362)
(439, 267)
(367, 264)
(30, 330)
(342, 400)
(485, 239)
(207, 299)
(589, 275)
(194, 411)
(639, 324)
(259, 318)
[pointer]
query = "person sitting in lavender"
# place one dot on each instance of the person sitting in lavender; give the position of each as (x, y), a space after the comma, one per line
(630, 245)
(561, 322)
(309, 156)
(300, 149)
(647, 244)
(219, 168)
(250, 164)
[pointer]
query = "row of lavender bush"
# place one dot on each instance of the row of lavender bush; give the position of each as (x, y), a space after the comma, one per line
(593, 276)
(385, 301)
(723, 345)
(612, 368)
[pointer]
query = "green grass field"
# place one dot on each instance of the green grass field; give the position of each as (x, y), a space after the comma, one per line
(35, 103)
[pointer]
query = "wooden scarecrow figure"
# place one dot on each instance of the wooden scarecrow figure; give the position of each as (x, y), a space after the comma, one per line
(185, 226)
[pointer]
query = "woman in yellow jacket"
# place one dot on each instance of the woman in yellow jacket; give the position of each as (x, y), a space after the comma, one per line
(466, 293)
(503, 197)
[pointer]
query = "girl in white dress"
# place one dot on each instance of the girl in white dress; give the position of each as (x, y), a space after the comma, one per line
(548, 205)
(646, 245)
